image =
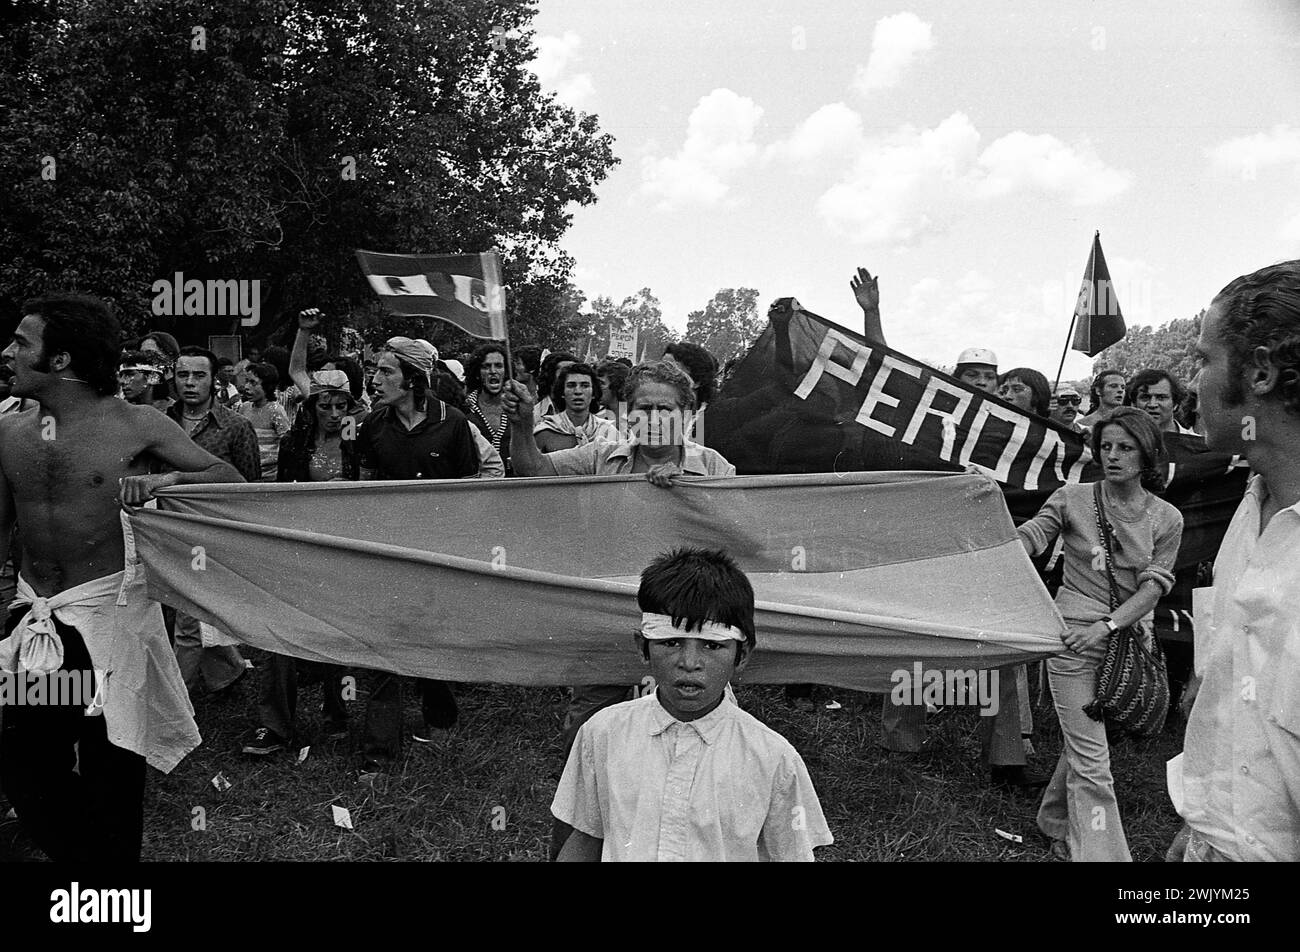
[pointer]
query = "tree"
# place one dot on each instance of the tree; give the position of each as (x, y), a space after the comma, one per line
(640, 310)
(268, 140)
(1170, 347)
(728, 324)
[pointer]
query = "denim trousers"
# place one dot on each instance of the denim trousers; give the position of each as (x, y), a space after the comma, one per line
(1079, 805)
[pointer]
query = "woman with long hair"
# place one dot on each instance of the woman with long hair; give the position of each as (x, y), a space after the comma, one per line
(1027, 388)
(1079, 812)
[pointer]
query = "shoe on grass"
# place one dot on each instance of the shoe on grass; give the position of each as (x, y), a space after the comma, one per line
(431, 735)
(373, 772)
(1018, 778)
(263, 742)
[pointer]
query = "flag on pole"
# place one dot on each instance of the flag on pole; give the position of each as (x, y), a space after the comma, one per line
(1098, 322)
(464, 290)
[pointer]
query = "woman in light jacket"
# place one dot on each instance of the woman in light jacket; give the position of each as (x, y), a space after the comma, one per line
(1079, 812)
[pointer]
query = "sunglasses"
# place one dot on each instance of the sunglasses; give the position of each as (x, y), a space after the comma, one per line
(1068, 401)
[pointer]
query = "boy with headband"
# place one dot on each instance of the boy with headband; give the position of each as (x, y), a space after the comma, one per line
(683, 774)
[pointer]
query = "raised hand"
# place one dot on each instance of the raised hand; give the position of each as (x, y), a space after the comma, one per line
(518, 402)
(866, 290)
(309, 319)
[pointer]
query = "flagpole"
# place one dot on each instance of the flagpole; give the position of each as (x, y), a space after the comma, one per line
(510, 363)
(1074, 316)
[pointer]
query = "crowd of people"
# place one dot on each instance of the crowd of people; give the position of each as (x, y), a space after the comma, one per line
(136, 416)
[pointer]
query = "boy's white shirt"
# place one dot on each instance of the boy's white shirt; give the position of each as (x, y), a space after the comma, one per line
(724, 787)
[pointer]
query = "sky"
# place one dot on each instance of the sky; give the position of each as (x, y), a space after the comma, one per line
(964, 153)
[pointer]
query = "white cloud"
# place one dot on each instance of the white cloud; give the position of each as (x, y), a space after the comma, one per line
(552, 64)
(719, 143)
(1022, 161)
(895, 42)
(832, 132)
(915, 182)
(938, 320)
(904, 185)
(1290, 231)
(1247, 154)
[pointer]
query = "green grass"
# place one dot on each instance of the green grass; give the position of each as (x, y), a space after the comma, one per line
(503, 761)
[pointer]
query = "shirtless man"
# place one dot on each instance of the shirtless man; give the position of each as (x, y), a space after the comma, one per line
(65, 466)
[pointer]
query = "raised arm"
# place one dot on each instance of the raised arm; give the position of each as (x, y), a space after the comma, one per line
(866, 291)
(308, 321)
(167, 443)
(526, 458)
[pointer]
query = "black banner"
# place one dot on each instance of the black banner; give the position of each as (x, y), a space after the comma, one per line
(813, 397)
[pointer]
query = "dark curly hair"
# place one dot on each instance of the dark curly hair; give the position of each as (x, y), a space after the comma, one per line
(530, 357)
(1146, 378)
(449, 390)
(616, 371)
(700, 364)
(268, 375)
(1262, 309)
(472, 369)
(84, 328)
(546, 373)
(581, 369)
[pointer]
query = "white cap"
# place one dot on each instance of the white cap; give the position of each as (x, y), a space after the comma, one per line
(977, 355)
(457, 368)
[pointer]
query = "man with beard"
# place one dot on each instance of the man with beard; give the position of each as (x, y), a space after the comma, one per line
(228, 436)
(485, 376)
(77, 781)
(410, 434)
(1237, 782)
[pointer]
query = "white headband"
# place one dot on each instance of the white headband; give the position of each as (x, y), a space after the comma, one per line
(660, 627)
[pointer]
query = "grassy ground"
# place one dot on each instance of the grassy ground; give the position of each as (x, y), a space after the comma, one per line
(486, 794)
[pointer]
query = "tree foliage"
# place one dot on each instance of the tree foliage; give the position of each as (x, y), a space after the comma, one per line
(641, 311)
(1169, 347)
(727, 325)
(228, 153)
